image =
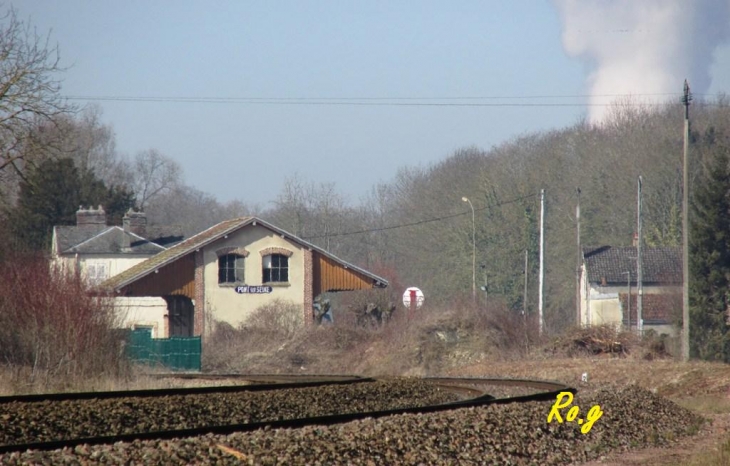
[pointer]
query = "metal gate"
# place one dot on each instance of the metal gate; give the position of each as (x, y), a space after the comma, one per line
(176, 353)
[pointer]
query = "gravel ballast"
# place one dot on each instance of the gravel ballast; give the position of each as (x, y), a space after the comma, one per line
(46, 421)
(497, 434)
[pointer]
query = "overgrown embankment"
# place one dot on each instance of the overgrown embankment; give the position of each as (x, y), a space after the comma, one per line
(54, 334)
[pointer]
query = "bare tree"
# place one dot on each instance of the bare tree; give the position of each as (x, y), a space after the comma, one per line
(154, 174)
(29, 88)
(292, 209)
(328, 210)
(81, 137)
(193, 210)
(312, 211)
(93, 146)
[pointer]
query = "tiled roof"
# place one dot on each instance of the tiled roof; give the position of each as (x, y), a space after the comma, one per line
(208, 236)
(103, 239)
(110, 241)
(661, 265)
(69, 236)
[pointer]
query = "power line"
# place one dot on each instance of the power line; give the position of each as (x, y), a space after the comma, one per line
(593, 223)
(332, 103)
(380, 101)
(420, 222)
(347, 98)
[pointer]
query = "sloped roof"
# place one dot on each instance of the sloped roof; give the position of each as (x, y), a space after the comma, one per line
(208, 236)
(112, 240)
(662, 265)
(69, 236)
(164, 235)
(104, 239)
(90, 239)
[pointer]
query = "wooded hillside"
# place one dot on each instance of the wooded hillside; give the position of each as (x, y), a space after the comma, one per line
(417, 227)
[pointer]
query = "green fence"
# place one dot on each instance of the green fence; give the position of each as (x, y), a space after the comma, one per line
(176, 353)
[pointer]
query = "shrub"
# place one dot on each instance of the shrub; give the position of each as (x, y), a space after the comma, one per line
(429, 340)
(590, 341)
(279, 317)
(266, 330)
(53, 332)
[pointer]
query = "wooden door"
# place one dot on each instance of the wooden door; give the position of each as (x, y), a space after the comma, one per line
(180, 310)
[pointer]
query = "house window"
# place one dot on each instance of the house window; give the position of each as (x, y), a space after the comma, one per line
(230, 268)
(276, 268)
(96, 273)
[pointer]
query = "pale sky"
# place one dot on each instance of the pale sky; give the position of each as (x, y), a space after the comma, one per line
(344, 91)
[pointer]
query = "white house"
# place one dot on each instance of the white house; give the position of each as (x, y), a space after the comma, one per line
(98, 251)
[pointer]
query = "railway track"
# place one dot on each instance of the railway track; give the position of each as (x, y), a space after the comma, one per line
(290, 402)
(256, 383)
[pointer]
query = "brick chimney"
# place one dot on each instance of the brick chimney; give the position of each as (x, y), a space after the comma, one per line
(135, 222)
(90, 216)
(635, 240)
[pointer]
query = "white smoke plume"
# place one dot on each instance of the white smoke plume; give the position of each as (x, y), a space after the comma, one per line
(643, 48)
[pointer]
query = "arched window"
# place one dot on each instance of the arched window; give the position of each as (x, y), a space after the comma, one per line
(276, 268)
(230, 268)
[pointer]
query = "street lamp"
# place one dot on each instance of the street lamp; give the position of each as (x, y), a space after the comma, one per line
(473, 252)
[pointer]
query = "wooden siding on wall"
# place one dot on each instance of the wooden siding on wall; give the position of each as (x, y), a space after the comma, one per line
(177, 278)
(331, 276)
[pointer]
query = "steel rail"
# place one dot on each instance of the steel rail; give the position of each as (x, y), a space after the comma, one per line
(261, 383)
(259, 378)
(552, 390)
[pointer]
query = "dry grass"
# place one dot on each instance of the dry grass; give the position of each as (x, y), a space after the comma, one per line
(719, 457)
(139, 378)
(706, 404)
(665, 377)
(458, 339)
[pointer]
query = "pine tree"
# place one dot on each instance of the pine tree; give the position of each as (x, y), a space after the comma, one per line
(50, 196)
(709, 262)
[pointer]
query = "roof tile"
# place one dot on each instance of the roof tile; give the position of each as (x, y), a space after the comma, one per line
(662, 265)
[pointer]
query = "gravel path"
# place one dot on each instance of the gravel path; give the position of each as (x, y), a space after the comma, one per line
(499, 434)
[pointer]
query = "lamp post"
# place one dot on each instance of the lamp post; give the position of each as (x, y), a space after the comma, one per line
(473, 252)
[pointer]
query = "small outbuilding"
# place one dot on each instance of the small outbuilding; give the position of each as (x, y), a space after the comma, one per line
(225, 273)
(609, 287)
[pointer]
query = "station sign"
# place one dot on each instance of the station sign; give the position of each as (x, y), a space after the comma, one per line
(245, 289)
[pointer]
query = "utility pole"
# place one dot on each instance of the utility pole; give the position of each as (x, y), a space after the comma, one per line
(473, 252)
(686, 99)
(639, 265)
(485, 287)
(524, 295)
(629, 296)
(524, 308)
(628, 287)
(578, 260)
(541, 293)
